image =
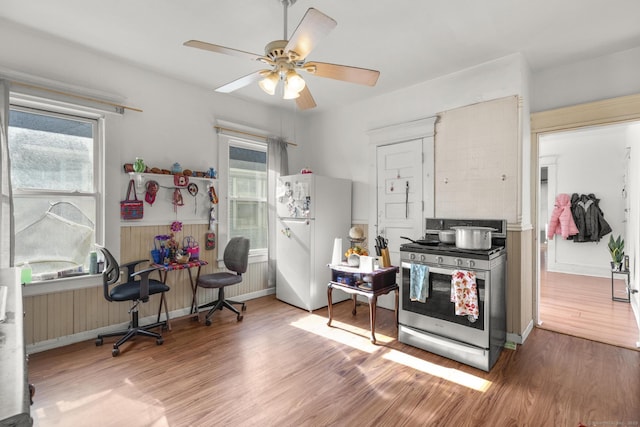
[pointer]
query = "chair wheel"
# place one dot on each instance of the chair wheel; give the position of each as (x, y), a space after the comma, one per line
(115, 352)
(195, 318)
(159, 341)
(244, 307)
(240, 317)
(207, 322)
(98, 342)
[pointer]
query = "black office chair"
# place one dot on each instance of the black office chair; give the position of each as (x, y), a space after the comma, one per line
(236, 259)
(137, 289)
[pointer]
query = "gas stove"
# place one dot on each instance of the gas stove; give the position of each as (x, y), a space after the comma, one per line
(431, 245)
(433, 324)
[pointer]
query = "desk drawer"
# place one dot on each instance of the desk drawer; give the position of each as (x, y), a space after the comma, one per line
(379, 279)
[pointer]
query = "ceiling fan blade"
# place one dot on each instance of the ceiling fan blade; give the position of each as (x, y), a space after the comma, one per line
(345, 73)
(240, 83)
(313, 26)
(305, 101)
(221, 49)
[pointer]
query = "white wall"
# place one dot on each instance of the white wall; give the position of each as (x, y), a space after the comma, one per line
(603, 77)
(177, 119)
(587, 161)
(337, 143)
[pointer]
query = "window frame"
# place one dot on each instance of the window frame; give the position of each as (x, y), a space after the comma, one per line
(53, 108)
(225, 142)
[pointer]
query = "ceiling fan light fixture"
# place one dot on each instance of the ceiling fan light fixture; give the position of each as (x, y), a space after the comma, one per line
(269, 83)
(294, 81)
(289, 92)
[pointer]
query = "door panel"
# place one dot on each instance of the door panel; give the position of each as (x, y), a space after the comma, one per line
(399, 193)
(293, 276)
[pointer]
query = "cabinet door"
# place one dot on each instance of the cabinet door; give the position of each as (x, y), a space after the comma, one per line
(479, 161)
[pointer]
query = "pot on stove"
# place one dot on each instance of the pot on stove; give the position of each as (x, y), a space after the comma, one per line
(470, 237)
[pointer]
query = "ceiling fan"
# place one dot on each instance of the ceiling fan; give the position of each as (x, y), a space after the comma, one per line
(287, 57)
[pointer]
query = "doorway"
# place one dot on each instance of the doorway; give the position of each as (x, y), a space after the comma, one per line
(574, 278)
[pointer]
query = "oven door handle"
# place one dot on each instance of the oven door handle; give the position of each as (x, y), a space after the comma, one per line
(445, 271)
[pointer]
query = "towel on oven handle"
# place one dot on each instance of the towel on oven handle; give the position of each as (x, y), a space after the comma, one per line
(419, 280)
(464, 293)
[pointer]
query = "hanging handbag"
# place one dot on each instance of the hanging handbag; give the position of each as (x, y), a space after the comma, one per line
(131, 208)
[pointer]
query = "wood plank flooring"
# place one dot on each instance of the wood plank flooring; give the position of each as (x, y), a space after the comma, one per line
(284, 366)
(582, 306)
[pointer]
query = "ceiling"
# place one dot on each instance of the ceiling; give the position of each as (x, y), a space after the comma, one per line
(408, 41)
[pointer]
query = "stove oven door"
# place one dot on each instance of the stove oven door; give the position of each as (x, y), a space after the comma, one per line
(437, 314)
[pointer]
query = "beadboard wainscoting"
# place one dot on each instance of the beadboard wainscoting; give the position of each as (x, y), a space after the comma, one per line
(61, 318)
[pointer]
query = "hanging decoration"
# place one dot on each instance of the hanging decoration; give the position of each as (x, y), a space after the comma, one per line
(152, 189)
(177, 199)
(213, 197)
(192, 188)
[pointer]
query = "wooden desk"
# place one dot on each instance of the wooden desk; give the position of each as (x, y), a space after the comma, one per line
(369, 285)
(163, 271)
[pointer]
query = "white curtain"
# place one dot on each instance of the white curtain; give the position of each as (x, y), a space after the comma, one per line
(6, 207)
(278, 165)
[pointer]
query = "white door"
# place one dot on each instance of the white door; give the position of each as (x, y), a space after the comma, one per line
(293, 277)
(400, 184)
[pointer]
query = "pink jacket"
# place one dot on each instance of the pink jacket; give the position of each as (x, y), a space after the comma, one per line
(561, 221)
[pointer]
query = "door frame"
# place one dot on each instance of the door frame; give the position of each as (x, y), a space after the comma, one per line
(401, 132)
(604, 112)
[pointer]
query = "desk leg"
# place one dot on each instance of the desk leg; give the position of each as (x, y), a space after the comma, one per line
(194, 289)
(163, 301)
(373, 302)
(354, 298)
(330, 306)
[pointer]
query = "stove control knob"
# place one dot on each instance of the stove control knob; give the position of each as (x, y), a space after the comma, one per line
(472, 263)
(423, 258)
(458, 262)
(439, 260)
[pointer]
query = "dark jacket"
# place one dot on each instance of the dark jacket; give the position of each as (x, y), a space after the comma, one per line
(588, 218)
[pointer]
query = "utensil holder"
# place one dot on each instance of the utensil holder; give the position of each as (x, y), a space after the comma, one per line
(385, 261)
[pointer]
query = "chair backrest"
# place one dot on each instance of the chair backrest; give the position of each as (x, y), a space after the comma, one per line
(236, 255)
(111, 272)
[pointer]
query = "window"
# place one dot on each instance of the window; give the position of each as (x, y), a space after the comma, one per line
(55, 164)
(247, 192)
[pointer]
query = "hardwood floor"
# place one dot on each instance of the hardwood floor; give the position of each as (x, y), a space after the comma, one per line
(285, 366)
(582, 306)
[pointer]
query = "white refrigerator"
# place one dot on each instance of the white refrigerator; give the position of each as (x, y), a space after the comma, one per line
(312, 212)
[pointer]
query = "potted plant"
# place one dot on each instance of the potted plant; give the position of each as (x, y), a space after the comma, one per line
(616, 249)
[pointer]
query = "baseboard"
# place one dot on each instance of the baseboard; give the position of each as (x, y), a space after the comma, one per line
(92, 334)
(520, 339)
(580, 270)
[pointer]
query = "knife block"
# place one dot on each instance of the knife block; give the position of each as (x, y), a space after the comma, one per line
(385, 261)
